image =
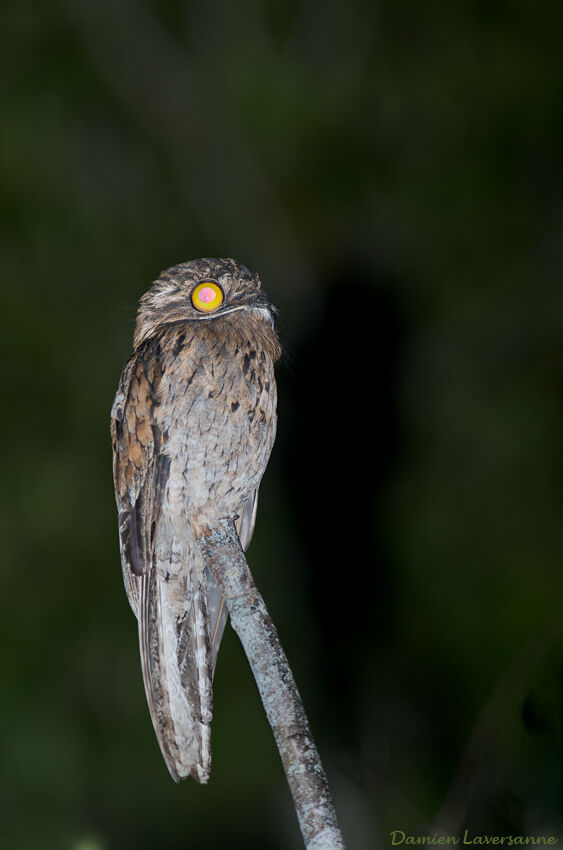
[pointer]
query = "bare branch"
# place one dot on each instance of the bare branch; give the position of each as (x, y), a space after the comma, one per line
(280, 697)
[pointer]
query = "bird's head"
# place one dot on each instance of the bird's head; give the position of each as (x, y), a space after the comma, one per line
(200, 290)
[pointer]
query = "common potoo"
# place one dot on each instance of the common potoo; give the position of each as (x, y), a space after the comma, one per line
(192, 425)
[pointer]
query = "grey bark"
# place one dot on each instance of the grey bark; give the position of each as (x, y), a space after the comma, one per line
(280, 697)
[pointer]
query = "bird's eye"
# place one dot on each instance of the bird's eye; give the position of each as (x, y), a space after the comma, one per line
(207, 296)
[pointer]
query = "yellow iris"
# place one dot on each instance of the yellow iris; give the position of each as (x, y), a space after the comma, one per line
(207, 296)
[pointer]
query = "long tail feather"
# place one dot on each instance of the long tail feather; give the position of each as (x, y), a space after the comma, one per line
(175, 661)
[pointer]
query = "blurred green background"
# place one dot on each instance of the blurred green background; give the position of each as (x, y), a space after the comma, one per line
(394, 174)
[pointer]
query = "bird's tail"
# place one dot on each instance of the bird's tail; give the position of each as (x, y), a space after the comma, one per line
(176, 662)
(182, 616)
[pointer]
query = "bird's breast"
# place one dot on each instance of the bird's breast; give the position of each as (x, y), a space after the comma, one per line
(218, 415)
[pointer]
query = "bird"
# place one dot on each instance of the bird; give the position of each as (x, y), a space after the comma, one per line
(193, 424)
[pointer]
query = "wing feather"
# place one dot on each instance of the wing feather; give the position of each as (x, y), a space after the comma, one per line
(140, 469)
(246, 520)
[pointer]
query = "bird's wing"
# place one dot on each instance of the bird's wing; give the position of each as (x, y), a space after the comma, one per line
(218, 616)
(140, 470)
(163, 574)
(246, 520)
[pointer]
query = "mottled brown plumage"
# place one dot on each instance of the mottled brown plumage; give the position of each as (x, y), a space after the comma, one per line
(193, 424)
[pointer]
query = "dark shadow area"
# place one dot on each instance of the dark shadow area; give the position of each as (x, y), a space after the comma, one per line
(339, 455)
